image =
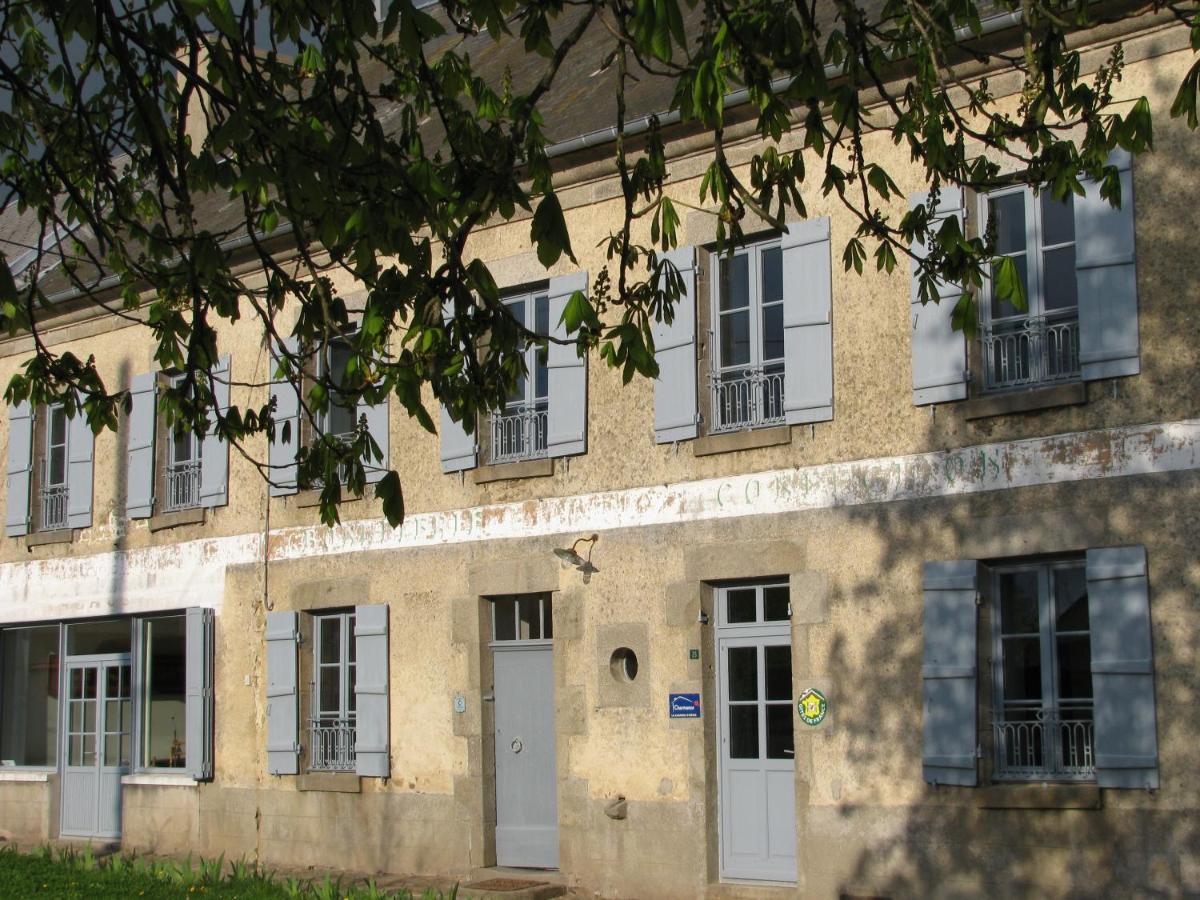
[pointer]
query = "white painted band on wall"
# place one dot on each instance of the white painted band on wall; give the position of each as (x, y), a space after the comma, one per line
(193, 573)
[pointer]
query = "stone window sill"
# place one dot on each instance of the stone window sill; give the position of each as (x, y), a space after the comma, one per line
(43, 538)
(158, 779)
(334, 782)
(163, 521)
(752, 439)
(28, 775)
(530, 468)
(984, 407)
(1038, 796)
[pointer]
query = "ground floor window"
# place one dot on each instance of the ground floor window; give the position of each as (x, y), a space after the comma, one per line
(332, 726)
(164, 693)
(1042, 671)
(29, 659)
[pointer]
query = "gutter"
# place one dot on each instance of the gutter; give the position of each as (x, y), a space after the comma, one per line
(739, 97)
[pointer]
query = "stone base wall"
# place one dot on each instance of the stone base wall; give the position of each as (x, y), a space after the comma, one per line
(27, 810)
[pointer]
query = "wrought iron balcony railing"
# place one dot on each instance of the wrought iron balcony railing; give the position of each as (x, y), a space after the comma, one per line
(182, 486)
(1056, 746)
(54, 508)
(745, 398)
(1031, 351)
(519, 433)
(331, 745)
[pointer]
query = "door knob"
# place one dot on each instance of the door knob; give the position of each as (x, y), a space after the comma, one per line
(517, 746)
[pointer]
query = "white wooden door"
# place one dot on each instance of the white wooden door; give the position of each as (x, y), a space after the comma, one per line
(757, 788)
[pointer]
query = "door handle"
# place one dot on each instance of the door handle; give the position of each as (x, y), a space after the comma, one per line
(790, 752)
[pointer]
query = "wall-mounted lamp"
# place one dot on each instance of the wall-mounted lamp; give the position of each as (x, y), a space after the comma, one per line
(572, 558)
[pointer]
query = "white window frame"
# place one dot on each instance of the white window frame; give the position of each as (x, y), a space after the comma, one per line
(324, 367)
(332, 731)
(745, 395)
(181, 477)
(1061, 734)
(53, 497)
(519, 431)
(1038, 346)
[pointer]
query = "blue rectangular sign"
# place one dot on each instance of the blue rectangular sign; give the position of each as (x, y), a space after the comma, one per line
(684, 706)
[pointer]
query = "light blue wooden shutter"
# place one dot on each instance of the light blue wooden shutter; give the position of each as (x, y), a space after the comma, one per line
(459, 450)
(20, 468)
(80, 452)
(566, 419)
(371, 691)
(282, 452)
(283, 716)
(1126, 733)
(675, 411)
(939, 353)
(214, 454)
(139, 469)
(1106, 276)
(807, 323)
(199, 703)
(948, 673)
(377, 424)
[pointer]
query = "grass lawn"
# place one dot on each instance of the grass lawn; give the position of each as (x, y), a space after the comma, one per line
(78, 874)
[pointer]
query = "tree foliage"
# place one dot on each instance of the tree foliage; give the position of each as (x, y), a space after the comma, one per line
(189, 162)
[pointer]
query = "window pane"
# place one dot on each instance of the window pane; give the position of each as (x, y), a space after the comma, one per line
(351, 690)
(1022, 669)
(504, 615)
(780, 740)
(1058, 274)
(735, 282)
(164, 693)
(1006, 215)
(58, 426)
(330, 638)
(1074, 666)
(740, 605)
(58, 466)
(547, 617)
(1019, 603)
(1058, 219)
(351, 643)
(775, 603)
(181, 446)
(743, 673)
(517, 309)
(1070, 599)
(772, 274)
(112, 636)
(1002, 309)
(541, 371)
(773, 332)
(779, 672)
(743, 732)
(29, 695)
(735, 338)
(530, 614)
(329, 685)
(541, 319)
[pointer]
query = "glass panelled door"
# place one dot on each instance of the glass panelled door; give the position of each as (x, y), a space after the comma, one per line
(757, 751)
(97, 740)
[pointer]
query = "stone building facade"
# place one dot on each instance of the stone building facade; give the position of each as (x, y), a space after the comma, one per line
(870, 610)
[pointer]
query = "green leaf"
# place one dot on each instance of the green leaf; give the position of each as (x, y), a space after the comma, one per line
(1007, 282)
(389, 491)
(549, 232)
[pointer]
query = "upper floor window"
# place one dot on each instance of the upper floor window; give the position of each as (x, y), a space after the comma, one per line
(50, 461)
(518, 431)
(747, 380)
(1042, 675)
(544, 415)
(340, 420)
(181, 472)
(1040, 344)
(332, 725)
(170, 468)
(52, 485)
